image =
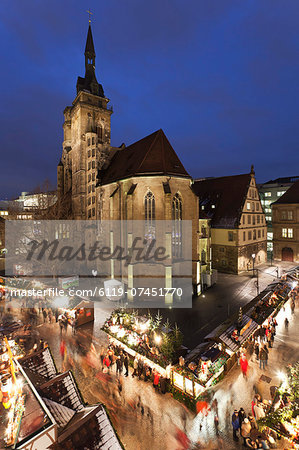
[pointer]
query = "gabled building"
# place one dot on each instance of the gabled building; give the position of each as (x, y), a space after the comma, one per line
(269, 192)
(285, 223)
(237, 220)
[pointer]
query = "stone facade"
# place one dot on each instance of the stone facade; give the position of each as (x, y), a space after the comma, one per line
(238, 225)
(286, 231)
(86, 147)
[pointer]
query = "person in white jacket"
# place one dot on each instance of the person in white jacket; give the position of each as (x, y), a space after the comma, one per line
(259, 411)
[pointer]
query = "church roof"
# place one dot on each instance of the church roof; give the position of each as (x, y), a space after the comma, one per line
(152, 155)
(290, 196)
(222, 199)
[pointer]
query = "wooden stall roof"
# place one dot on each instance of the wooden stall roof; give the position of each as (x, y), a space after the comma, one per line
(226, 336)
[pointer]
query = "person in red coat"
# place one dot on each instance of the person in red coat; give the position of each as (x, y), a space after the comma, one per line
(244, 365)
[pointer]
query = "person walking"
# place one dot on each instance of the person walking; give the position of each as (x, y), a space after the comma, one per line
(293, 306)
(135, 366)
(242, 415)
(61, 323)
(107, 363)
(126, 364)
(267, 354)
(119, 365)
(269, 339)
(263, 357)
(235, 424)
(245, 429)
(156, 380)
(140, 368)
(257, 350)
(286, 323)
(74, 322)
(45, 315)
(244, 365)
(102, 356)
(65, 323)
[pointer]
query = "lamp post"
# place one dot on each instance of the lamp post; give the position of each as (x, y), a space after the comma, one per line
(253, 260)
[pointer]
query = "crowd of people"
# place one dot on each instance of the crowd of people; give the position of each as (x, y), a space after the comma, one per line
(246, 426)
(114, 356)
(264, 340)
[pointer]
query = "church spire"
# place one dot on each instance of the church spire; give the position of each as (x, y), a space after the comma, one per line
(89, 82)
(89, 47)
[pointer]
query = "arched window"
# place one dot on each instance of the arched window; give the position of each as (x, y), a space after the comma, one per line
(150, 216)
(177, 226)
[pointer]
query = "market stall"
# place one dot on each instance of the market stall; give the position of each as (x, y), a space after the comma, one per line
(283, 416)
(201, 372)
(156, 343)
(83, 312)
(12, 396)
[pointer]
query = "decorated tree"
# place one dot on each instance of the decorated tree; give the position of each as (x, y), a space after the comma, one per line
(284, 418)
(171, 343)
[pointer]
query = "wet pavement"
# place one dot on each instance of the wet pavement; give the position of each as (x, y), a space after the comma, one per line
(146, 419)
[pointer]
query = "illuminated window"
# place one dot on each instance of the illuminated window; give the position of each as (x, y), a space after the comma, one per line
(177, 226)
(290, 232)
(290, 215)
(248, 206)
(284, 232)
(268, 218)
(279, 194)
(267, 194)
(150, 216)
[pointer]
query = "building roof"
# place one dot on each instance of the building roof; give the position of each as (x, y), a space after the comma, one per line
(152, 155)
(282, 180)
(290, 196)
(41, 363)
(222, 199)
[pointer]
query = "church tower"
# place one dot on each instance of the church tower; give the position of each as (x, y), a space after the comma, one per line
(86, 141)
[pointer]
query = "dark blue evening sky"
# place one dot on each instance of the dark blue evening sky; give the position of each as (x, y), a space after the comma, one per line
(220, 77)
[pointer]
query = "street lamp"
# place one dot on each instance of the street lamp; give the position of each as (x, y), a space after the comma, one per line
(253, 260)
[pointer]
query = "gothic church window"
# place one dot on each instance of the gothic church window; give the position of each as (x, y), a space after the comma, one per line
(177, 226)
(150, 216)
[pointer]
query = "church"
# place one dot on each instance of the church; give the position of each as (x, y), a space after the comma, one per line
(142, 181)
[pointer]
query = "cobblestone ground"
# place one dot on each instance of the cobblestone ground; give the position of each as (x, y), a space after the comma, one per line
(145, 419)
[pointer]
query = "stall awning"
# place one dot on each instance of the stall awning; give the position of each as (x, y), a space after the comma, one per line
(248, 325)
